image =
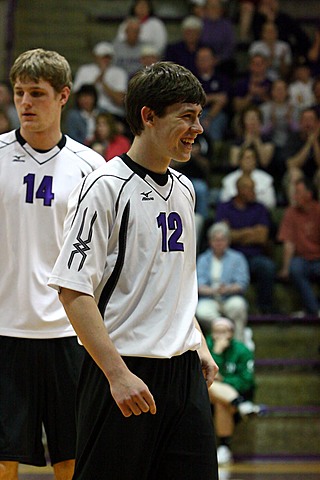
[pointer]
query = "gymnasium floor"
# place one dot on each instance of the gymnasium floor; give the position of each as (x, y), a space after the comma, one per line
(239, 471)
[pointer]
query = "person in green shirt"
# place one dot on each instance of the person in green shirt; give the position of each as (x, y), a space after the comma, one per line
(233, 389)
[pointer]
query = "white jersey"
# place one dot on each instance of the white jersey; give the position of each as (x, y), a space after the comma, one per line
(34, 190)
(131, 245)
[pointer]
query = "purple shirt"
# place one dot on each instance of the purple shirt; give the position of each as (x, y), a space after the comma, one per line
(253, 214)
(219, 34)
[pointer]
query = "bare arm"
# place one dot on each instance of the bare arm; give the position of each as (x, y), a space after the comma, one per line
(209, 366)
(129, 392)
(300, 157)
(244, 236)
(288, 252)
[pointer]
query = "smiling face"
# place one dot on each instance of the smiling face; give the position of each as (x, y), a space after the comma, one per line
(38, 106)
(174, 133)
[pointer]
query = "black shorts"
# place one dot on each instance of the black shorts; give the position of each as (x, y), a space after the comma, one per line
(38, 382)
(178, 443)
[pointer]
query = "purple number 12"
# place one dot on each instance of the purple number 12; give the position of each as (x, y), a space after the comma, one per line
(172, 222)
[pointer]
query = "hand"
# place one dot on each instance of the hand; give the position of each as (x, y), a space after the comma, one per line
(132, 395)
(283, 274)
(221, 343)
(209, 367)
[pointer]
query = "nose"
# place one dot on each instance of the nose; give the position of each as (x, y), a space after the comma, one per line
(26, 99)
(197, 127)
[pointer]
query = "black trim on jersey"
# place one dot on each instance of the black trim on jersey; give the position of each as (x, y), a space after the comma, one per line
(114, 277)
(22, 141)
(160, 178)
(82, 245)
(80, 197)
(179, 178)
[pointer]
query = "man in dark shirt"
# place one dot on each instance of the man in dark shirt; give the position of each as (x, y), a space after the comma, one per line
(250, 224)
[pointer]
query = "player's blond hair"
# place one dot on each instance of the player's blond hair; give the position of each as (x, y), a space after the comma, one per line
(46, 64)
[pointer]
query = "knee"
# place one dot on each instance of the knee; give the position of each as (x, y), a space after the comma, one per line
(8, 471)
(64, 470)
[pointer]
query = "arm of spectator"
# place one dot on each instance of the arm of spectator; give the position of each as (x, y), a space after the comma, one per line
(117, 97)
(300, 157)
(217, 102)
(265, 150)
(257, 235)
(314, 51)
(288, 252)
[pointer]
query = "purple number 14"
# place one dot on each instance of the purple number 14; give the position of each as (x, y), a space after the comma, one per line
(44, 190)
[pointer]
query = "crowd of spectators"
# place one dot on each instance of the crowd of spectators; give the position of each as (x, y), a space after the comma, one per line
(263, 109)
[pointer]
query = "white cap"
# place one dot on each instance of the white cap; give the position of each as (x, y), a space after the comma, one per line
(192, 22)
(225, 322)
(103, 49)
(149, 50)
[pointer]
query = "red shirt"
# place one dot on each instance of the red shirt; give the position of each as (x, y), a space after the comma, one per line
(302, 228)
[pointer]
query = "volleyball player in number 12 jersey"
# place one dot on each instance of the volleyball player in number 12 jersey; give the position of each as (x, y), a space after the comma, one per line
(127, 279)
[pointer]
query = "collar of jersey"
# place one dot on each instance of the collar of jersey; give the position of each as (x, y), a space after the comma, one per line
(22, 142)
(160, 178)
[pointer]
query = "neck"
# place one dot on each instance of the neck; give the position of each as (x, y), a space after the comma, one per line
(41, 140)
(146, 156)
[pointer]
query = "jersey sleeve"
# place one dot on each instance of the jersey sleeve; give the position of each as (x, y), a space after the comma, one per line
(81, 262)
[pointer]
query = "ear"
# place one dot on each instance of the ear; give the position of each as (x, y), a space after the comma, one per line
(64, 95)
(147, 116)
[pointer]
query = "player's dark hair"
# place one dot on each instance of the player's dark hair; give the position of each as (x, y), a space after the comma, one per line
(158, 86)
(46, 64)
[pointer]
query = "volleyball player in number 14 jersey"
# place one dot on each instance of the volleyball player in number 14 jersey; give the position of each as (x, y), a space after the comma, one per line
(39, 353)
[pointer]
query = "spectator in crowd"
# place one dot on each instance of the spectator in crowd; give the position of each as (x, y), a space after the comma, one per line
(218, 32)
(184, 51)
(149, 55)
(107, 140)
(127, 51)
(313, 56)
(246, 12)
(81, 119)
(197, 8)
(277, 51)
(110, 81)
(152, 29)
(250, 224)
(254, 87)
(300, 88)
(223, 278)
(248, 129)
(280, 119)
(288, 27)
(264, 188)
(5, 125)
(216, 87)
(232, 392)
(300, 233)
(7, 105)
(316, 93)
(303, 153)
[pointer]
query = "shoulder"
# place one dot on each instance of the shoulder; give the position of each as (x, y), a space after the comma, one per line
(83, 153)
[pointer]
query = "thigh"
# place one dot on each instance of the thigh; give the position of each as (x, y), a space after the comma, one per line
(64, 358)
(148, 447)
(21, 399)
(190, 452)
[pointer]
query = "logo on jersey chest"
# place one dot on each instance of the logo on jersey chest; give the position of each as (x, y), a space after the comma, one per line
(145, 196)
(18, 158)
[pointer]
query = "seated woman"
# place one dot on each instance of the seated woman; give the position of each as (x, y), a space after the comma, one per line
(248, 130)
(107, 139)
(264, 187)
(233, 388)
